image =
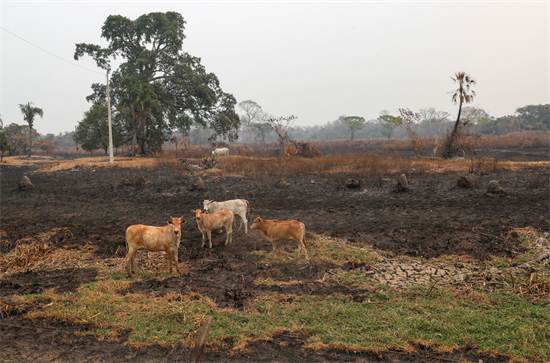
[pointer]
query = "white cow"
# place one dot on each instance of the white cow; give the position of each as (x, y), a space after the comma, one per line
(220, 151)
(237, 206)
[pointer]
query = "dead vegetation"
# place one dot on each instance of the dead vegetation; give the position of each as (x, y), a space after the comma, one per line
(439, 265)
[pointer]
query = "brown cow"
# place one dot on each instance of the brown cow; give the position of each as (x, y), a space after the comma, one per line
(206, 222)
(275, 230)
(166, 238)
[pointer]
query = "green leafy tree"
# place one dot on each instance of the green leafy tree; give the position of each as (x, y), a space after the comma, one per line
(29, 112)
(157, 86)
(353, 123)
(534, 117)
(463, 94)
(92, 132)
(389, 123)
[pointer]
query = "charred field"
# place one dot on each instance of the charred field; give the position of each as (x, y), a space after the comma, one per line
(437, 273)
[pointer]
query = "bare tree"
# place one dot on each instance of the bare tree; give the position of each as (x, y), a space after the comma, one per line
(281, 125)
(254, 117)
(463, 94)
(252, 112)
(410, 120)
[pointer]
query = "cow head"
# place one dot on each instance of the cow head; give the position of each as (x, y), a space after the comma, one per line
(206, 204)
(256, 223)
(198, 214)
(176, 223)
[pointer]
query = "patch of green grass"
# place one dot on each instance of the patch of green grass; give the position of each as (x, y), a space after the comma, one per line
(322, 250)
(353, 278)
(503, 323)
(338, 252)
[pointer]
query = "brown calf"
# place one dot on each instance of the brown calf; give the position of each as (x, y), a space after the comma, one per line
(166, 238)
(206, 222)
(275, 230)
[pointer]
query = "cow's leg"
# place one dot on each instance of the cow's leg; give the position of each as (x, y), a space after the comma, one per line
(175, 254)
(203, 239)
(245, 222)
(273, 245)
(229, 234)
(170, 258)
(130, 263)
(302, 245)
(209, 233)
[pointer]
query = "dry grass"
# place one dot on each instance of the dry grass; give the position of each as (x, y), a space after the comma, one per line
(424, 146)
(367, 165)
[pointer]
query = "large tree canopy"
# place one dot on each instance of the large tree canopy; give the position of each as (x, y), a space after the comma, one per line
(158, 86)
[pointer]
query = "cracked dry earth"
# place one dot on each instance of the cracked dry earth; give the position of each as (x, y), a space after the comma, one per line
(403, 272)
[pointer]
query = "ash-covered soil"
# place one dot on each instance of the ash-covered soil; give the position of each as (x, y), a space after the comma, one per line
(85, 211)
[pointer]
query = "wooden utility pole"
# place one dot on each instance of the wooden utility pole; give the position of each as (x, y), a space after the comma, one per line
(108, 96)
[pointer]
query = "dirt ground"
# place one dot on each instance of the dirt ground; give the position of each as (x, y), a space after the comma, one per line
(83, 213)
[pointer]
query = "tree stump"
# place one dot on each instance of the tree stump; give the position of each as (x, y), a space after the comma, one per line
(402, 184)
(353, 183)
(24, 183)
(494, 187)
(467, 181)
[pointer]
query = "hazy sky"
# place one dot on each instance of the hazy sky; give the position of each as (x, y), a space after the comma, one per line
(314, 60)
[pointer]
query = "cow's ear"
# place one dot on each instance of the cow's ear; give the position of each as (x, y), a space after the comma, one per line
(170, 221)
(192, 212)
(183, 221)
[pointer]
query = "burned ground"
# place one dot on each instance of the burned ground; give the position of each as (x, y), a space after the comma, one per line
(75, 219)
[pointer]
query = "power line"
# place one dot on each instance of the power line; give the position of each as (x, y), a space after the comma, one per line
(48, 52)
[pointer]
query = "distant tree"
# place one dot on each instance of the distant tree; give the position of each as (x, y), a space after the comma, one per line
(353, 123)
(534, 117)
(252, 112)
(158, 87)
(473, 116)
(389, 123)
(254, 117)
(463, 94)
(17, 138)
(281, 125)
(29, 112)
(432, 122)
(410, 121)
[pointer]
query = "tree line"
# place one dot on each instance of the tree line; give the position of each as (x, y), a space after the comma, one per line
(160, 93)
(427, 123)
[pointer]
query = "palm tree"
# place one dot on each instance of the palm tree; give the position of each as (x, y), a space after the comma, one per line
(29, 111)
(463, 94)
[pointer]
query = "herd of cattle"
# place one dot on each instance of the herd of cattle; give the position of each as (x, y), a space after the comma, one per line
(213, 216)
